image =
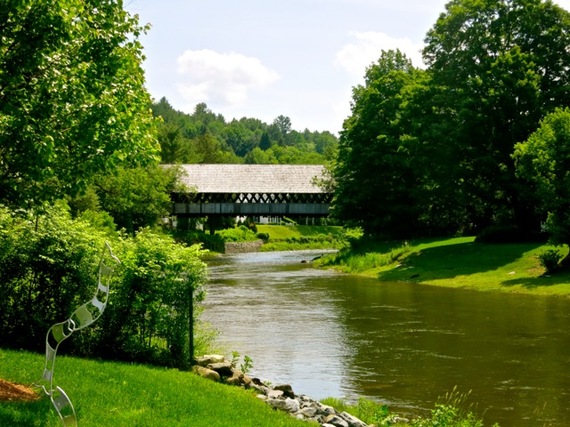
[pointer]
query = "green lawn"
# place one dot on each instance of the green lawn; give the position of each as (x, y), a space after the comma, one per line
(117, 395)
(461, 263)
(299, 237)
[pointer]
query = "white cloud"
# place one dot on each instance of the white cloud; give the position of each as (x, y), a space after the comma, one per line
(563, 3)
(356, 56)
(223, 79)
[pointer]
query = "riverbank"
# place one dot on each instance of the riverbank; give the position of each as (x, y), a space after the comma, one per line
(457, 263)
(122, 395)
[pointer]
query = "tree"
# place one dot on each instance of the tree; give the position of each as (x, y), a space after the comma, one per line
(544, 160)
(265, 142)
(239, 138)
(501, 65)
(72, 100)
(137, 197)
(280, 129)
(376, 174)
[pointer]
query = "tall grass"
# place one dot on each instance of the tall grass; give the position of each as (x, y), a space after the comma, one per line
(450, 411)
(359, 261)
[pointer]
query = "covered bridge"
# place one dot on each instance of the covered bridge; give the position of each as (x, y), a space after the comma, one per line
(252, 190)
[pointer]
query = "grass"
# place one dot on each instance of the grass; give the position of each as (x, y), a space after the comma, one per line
(116, 394)
(298, 237)
(457, 262)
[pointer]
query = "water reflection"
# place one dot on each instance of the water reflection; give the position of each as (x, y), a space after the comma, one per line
(329, 334)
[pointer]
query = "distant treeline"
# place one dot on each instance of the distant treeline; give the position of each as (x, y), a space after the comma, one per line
(206, 137)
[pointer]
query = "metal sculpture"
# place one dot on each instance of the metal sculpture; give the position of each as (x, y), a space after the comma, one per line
(82, 317)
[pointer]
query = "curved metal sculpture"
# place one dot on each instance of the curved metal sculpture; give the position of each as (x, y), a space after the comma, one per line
(82, 317)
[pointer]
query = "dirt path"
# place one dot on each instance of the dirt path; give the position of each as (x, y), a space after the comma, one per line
(16, 392)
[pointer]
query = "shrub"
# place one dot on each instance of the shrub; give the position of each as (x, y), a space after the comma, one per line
(263, 236)
(149, 312)
(237, 234)
(48, 268)
(549, 259)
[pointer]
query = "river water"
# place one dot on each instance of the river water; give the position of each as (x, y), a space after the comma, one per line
(405, 345)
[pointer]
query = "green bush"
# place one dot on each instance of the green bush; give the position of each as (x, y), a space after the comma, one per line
(549, 259)
(263, 236)
(211, 242)
(48, 267)
(149, 313)
(237, 234)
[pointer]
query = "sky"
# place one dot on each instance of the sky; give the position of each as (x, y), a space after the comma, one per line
(265, 58)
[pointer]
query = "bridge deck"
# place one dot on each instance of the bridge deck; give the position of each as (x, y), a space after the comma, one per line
(255, 190)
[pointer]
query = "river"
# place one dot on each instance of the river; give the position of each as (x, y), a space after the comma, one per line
(405, 345)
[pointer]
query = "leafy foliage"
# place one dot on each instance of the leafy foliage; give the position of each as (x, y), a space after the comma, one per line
(48, 268)
(72, 100)
(149, 316)
(430, 152)
(377, 161)
(204, 137)
(550, 259)
(544, 160)
(137, 197)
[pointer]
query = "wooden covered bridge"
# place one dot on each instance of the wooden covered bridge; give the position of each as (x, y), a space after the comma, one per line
(252, 190)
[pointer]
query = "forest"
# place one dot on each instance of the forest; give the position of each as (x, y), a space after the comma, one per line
(477, 142)
(206, 137)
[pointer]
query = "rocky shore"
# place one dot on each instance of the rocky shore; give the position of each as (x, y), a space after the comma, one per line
(280, 397)
(242, 247)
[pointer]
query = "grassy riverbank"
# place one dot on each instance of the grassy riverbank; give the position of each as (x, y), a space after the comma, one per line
(124, 395)
(290, 237)
(299, 237)
(457, 262)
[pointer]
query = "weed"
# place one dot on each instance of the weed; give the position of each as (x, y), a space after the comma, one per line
(245, 366)
(448, 413)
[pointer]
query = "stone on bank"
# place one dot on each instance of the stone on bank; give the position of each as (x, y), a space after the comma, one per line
(280, 397)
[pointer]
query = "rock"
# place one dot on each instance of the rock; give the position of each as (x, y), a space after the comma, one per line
(335, 420)
(277, 403)
(206, 373)
(325, 409)
(236, 378)
(286, 389)
(292, 405)
(257, 381)
(247, 381)
(352, 420)
(309, 411)
(225, 369)
(275, 394)
(208, 359)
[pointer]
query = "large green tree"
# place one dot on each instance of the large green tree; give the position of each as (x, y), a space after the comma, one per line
(376, 173)
(138, 197)
(72, 97)
(501, 65)
(544, 160)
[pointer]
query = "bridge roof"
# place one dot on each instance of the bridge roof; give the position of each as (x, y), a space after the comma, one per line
(225, 178)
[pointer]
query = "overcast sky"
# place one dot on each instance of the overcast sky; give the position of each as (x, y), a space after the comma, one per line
(265, 58)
